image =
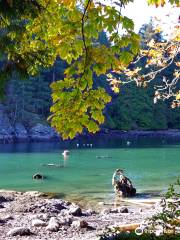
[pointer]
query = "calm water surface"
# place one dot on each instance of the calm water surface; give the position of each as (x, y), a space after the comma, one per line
(151, 165)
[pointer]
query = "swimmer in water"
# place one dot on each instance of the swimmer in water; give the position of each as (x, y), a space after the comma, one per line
(65, 154)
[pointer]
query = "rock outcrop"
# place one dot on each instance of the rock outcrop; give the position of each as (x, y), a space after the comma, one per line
(42, 132)
(21, 133)
(11, 131)
(6, 129)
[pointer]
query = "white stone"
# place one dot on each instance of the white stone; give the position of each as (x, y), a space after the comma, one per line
(21, 231)
(65, 220)
(45, 216)
(80, 224)
(89, 212)
(38, 223)
(53, 225)
(100, 203)
(105, 211)
(33, 194)
(75, 210)
(8, 217)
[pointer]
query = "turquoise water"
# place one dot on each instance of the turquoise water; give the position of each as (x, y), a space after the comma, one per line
(150, 167)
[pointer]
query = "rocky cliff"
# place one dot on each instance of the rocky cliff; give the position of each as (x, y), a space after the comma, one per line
(17, 132)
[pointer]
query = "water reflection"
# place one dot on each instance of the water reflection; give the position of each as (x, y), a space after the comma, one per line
(106, 141)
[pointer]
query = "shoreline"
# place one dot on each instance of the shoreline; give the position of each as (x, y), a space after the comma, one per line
(48, 134)
(95, 202)
(24, 209)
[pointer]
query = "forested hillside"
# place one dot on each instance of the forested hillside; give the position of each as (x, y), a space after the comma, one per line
(28, 101)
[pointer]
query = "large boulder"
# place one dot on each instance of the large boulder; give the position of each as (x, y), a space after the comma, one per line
(21, 231)
(122, 184)
(75, 210)
(5, 199)
(126, 190)
(38, 176)
(20, 132)
(42, 132)
(6, 129)
(53, 225)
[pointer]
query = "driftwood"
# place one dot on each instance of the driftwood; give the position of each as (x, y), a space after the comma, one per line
(132, 227)
(175, 221)
(128, 227)
(143, 202)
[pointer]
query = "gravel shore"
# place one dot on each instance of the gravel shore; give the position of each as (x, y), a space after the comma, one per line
(35, 216)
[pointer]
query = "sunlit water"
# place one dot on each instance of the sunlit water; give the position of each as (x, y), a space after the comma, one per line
(151, 167)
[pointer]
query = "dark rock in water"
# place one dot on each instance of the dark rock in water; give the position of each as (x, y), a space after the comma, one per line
(21, 231)
(38, 176)
(1, 206)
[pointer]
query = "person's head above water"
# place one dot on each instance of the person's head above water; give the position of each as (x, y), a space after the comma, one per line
(118, 170)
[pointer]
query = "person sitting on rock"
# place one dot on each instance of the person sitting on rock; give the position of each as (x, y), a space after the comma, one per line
(117, 178)
(122, 185)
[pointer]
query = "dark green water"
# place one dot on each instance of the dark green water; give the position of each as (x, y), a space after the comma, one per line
(150, 165)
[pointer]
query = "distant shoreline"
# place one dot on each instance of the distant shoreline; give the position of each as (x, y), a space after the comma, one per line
(47, 134)
(169, 133)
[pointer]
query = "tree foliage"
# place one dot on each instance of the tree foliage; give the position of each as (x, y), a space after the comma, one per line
(133, 108)
(168, 216)
(159, 55)
(34, 33)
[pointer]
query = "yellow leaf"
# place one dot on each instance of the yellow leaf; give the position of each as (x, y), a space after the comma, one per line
(177, 64)
(158, 29)
(178, 96)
